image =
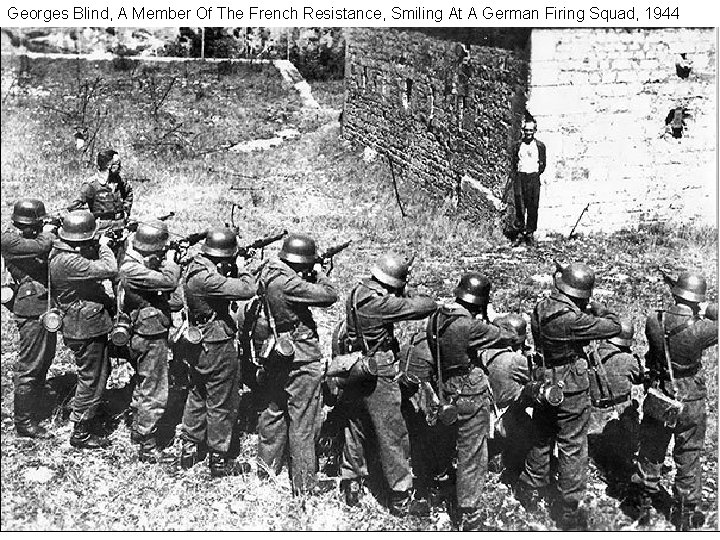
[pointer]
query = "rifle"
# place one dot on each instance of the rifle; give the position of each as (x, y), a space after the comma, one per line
(249, 250)
(181, 245)
(665, 273)
(118, 234)
(572, 232)
(329, 253)
(55, 220)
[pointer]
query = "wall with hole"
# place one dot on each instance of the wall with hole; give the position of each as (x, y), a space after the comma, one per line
(445, 111)
(628, 117)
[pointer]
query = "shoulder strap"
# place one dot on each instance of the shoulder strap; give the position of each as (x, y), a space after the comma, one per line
(666, 336)
(356, 320)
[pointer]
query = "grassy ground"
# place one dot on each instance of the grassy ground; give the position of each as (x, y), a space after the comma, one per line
(316, 184)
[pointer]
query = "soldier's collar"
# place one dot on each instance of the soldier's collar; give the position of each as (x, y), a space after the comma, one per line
(456, 309)
(374, 286)
(563, 298)
(681, 309)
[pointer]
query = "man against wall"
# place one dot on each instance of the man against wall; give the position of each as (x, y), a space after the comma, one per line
(528, 163)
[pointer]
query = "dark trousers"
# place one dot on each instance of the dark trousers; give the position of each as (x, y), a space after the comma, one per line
(36, 351)
(527, 199)
(212, 403)
(93, 362)
(689, 433)
(150, 395)
(565, 425)
(290, 421)
(374, 410)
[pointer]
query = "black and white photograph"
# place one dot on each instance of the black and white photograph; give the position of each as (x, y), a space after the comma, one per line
(360, 278)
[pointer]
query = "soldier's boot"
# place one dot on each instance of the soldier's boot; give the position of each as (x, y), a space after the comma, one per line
(685, 516)
(572, 517)
(26, 425)
(190, 454)
(518, 241)
(527, 496)
(82, 437)
(402, 504)
(474, 519)
(148, 451)
(352, 490)
(529, 240)
(220, 465)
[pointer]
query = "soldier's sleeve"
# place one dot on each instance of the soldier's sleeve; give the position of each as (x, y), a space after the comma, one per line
(175, 302)
(655, 355)
(14, 245)
(138, 276)
(589, 327)
(488, 336)
(127, 195)
(80, 268)
(242, 287)
(322, 293)
(542, 157)
(391, 308)
(706, 331)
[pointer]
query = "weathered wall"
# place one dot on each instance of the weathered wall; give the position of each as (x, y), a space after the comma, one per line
(442, 110)
(601, 97)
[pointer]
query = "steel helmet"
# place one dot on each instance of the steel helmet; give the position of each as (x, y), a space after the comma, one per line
(691, 287)
(220, 242)
(28, 212)
(625, 337)
(298, 249)
(391, 270)
(78, 226)
(473, 288)
(576, 280)
(151, 236)
(515, 323)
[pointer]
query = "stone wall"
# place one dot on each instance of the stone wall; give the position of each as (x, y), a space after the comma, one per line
(445, 111)
(601, 97)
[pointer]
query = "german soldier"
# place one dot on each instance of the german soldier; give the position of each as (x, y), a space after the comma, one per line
(291, 385)
(26, 248)
(149, 276)
(212, 282)
(678, 336)
(457, 333)
(562, 325)
(78, 265)
(379, 302)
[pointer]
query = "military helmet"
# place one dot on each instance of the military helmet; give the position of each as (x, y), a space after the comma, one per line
(625, 337)
(691, 287)
(473, 288)
(151, 236)
(576, 280)
(221, 242)
(391, 270)
(298, 249)
(78, 226)
(28, 212)
(515, 323)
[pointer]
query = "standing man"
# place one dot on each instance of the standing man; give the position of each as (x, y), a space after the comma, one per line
(457, 333)
(678, 337)
(26, 247)
(528, 163)
(562, 325)
(374, 408)
(292, 284)
(212, 282)
(148, 276)
(78, 265)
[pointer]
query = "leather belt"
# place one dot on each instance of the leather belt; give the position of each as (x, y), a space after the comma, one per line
(110, 215)
(608, 402)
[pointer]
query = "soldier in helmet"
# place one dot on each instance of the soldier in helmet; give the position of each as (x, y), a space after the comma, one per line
(79, 263)
(212, 282)
(372, 309)
(457, 334)
(26, 247)
(614, 418)
(292, 284)
(678, 337)
(148, 276)
(562, 326)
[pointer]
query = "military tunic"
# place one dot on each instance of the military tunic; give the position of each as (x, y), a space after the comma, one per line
(147, 293)
(375, 408)
(77, 285)
(690, 337)
(212, 402)
(292, 396)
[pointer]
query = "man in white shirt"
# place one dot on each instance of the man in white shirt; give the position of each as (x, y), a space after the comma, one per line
(528, 157)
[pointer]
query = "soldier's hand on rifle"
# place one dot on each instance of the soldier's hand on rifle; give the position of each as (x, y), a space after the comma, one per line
(171, 255)
(105, 240)
(50, 228)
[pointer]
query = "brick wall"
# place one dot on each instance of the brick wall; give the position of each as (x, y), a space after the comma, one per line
(601, 97)
(442, 109)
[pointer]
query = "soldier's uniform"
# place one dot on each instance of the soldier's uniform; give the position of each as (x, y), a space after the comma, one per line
(688, 337)
(376, 407)
(291, 391)
(561, 331)
(461, 338)
(147, 296)
(211, 407)
(77, 285)
(27, 262)
(614, 417)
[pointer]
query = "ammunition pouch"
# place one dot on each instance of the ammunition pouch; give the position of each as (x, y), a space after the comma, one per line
(661, 407)
(605, 403)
